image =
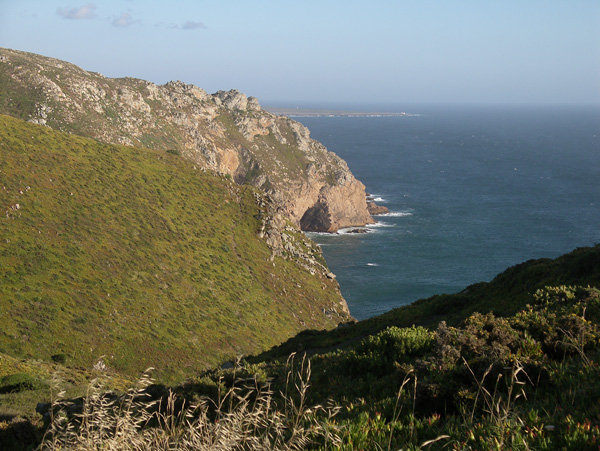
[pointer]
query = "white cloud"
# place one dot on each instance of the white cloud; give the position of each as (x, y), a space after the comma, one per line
(83, 12)
(124, 20)
(191, 25)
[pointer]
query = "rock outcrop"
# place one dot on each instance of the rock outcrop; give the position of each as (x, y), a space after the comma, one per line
(225, 132)
(375, 209)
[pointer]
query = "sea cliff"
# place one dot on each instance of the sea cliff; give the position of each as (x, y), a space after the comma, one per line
(226, 132)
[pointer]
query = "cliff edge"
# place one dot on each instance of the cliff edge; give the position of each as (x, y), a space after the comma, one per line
(226, 132)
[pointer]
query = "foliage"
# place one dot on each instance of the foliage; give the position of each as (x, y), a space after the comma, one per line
(17, 382)
(490, 383)
(246, 417)
(504, 296)
(526, 381)
(378, 353)
(135, 255)
(475, 386)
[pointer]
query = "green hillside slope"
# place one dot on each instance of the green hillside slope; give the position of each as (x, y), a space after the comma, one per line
(225, 132)
(524, 380)
(137, 256)
(508, 293)
(514, 367)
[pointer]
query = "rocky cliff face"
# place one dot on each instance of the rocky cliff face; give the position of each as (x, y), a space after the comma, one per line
(226, 132)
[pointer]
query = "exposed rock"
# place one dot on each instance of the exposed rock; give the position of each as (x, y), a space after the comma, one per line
(375, 209)
(358, 231)
(253, 104)
(225, 132)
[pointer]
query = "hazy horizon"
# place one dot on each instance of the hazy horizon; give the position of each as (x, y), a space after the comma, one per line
(332, 52)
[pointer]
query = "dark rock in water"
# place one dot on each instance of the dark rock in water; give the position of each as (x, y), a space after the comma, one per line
(375, 209)
(358, 231)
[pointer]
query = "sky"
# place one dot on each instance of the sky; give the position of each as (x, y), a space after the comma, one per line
(328, 51)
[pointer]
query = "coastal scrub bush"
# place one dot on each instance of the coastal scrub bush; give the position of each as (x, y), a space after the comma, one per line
(488, 337)
(378, 353)
(60, 358)
(563, 319)
(18, 382)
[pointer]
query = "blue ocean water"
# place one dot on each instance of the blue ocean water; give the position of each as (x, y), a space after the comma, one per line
(472, 191)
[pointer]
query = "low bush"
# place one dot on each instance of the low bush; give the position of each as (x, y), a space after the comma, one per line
(19, 382)
(378, 354)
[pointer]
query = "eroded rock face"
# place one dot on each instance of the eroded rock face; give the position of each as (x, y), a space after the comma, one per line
(336, 208)
(225, 132)
(375, 209)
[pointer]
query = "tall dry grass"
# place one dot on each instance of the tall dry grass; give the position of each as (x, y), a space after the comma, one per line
(247, 417)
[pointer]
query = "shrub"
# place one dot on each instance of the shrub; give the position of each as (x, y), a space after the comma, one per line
(563, 319)
(488, 337)
(60, 358)
(18, 382)
(378, 353)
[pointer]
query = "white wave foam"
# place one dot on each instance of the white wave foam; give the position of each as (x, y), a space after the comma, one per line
(380, 224)
(315, 234)
(396, 214)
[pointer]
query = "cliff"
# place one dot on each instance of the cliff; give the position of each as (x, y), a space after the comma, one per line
(226, 132)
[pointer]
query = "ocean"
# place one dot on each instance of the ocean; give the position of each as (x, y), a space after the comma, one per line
(471, 190)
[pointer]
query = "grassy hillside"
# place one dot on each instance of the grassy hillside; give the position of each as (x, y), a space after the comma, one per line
(507, 294)
(135, 255)
(526, 380)
(514, 367)
(226, 132)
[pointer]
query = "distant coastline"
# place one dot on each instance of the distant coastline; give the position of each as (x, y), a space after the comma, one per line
(305, 112)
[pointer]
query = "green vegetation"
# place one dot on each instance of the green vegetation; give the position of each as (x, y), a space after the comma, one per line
(134, 255)
(243, 418)
(17, 382)
(114, 259)
(526, 380)
(274, 154)
(21, 102)
(504, 296)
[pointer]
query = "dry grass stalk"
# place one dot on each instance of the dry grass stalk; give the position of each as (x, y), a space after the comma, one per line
(247, 417)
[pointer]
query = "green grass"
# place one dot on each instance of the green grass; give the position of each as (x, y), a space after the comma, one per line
(524, 382)
(134, 255)
(127, 110)
(505, 295)
(518, 370)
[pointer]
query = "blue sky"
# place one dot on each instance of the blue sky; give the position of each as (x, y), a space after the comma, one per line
(380, 51)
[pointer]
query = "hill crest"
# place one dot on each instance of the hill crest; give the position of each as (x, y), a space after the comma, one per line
(226, 132)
